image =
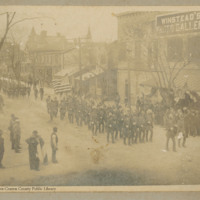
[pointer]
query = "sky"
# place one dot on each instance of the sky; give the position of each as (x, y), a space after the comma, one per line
(70, 21)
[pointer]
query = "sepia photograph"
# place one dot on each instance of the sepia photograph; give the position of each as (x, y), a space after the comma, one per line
(99, 96)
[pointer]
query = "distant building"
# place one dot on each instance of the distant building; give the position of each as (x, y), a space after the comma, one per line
(12, 57)
(46, 54)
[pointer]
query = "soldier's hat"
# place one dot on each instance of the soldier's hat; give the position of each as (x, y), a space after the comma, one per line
(170, 116)
(35, 132)
(149, 111)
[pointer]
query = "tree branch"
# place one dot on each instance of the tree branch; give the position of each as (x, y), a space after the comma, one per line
(6, 31)
(164, 71)
(178, 72)
(12, 17)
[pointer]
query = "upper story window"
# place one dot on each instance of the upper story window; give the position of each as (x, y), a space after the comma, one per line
(194, 48)
(174, 49)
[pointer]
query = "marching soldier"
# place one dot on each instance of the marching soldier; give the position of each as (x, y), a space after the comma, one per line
(48, 101)
(77, 114)
(149, 125)
(171, 131)
(101, 119)
(110, 128)
(35, 92)
(41, 93)
(55, 107)
(28, 91)
(88, 117)
(126, 128)
(51, 109)
(63, 109)
(70, 113)
(133, 129)
(93, 117)
(180, 130)
(141, 124)
(120, 123)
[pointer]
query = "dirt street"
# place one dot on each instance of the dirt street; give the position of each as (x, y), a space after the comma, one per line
(87, 160)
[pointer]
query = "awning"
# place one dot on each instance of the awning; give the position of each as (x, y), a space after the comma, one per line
(66, 72)
(91, 74)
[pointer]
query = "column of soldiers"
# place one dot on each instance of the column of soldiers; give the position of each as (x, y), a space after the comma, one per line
(14, 89)
(118, 123)
(123, 123)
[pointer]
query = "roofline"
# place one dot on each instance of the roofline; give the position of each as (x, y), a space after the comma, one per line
(126, 13)
(133, 12)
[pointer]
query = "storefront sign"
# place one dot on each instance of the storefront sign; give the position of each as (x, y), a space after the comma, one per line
(178, 23)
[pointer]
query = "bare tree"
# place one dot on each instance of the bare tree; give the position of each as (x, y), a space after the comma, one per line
(10, 23)
(164, 73)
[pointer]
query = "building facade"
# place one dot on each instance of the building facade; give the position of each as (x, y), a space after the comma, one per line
(47, 54)
(161, 49)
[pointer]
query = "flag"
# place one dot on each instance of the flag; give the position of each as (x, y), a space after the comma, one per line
(61, 85)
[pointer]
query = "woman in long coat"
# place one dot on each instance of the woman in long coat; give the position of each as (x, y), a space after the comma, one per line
(33, 152)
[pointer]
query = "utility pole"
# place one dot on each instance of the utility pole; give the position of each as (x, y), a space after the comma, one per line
(129, 78)
(129, 84)
(80, 64)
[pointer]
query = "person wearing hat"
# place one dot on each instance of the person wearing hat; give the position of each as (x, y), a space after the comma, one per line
(48, 102)
(32, 142)
(1, 148)
(149, 125)
(109, 126)
(16, 135)
(171, 129)
(54, 144)
(10, 128)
